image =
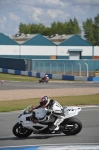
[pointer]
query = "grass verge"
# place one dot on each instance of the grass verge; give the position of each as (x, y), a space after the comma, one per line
(13, 105)
(12, 77)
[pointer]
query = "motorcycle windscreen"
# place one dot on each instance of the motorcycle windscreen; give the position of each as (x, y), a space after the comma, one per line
(40, 113)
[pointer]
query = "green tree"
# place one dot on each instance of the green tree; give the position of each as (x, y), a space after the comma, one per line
(88, 27)
(76, 28)
(73, 27)
(96, 30)
(54, 28)
(47, 31)
(60, 28)
(70, 27)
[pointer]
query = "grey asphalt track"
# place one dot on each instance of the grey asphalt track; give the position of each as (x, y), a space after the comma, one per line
(88, 116)
(90, 133)
(50, 85)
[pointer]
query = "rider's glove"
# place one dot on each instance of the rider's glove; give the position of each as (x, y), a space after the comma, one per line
(49, 112)
(43, 119)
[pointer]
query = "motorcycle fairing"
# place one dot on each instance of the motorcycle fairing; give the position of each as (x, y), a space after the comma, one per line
(71, 111)
(30, 124)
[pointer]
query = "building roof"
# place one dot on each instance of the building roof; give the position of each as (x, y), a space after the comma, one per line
(5, 40)
(75, 40)
(39, 40)
(21, 37)
(57, 39)
(57, 36)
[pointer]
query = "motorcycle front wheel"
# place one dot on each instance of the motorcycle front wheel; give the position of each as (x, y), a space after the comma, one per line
(21, 132)
(72, 126)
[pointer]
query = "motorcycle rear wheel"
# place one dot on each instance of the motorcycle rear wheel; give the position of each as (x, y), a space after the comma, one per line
(72, 126)
(21, 132)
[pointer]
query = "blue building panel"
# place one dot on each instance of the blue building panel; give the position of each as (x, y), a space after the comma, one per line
(34, 57)
(10, 56)
(62, 57)
(5, 40)
(86, 57)
(75, 41)
(39, 40)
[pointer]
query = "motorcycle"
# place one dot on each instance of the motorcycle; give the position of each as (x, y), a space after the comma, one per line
(42, 80)
(28, 122)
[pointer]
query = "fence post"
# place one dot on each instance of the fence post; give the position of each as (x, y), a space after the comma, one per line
(56, 67)
(64, 67)
(87, 68)
(44, 67)
(39, 66)
(72, 69)
(79, 69)
(50, 68)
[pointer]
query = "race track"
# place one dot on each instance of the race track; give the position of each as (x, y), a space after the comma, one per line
(50, 85)
(25, 90)
(89, 134)
(89, 116)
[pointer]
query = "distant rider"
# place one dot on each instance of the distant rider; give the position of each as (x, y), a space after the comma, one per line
(46, 77)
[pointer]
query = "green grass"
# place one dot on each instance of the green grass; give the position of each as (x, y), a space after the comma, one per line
(12, 77)
(13, 105)
(22, 78)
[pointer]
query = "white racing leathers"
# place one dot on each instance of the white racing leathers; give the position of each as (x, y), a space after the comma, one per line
(59, 113)
(57, 110)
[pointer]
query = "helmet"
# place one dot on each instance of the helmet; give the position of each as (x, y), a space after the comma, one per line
(44, 101)
(46, 75)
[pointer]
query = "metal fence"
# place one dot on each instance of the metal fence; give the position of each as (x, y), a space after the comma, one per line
(66, 67)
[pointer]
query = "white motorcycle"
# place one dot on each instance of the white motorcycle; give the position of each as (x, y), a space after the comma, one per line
(28, 122)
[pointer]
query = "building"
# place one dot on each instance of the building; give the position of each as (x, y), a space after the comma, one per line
(37, 46)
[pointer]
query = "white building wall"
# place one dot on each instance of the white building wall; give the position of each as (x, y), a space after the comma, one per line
(9, 49)
(96, 50)
(46, 50)
(63, 50)
(38, 50)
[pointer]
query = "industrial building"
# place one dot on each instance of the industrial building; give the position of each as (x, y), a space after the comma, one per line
(37, 46)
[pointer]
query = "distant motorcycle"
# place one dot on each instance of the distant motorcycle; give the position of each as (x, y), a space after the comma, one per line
(42, 80)
(28, 122)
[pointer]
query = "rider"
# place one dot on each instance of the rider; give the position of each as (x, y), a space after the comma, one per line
(45, 77)
(56, 109)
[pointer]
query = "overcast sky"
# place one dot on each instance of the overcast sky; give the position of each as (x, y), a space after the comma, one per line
(12, 12)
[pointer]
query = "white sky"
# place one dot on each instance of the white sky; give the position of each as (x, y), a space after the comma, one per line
(12, 12)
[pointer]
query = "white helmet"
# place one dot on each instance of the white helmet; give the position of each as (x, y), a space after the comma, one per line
(46, 75)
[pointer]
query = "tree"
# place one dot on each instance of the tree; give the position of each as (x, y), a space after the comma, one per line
(54, 28)
(70, 27)
(88, 27)
(76, 28)
(73, 27)
(96, 30)
(40, 28)
(60, 28)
